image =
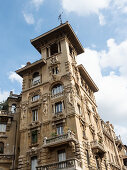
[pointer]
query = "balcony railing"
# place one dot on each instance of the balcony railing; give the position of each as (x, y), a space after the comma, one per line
(5, 113)
(60, 139)
(70, 163)
(97, 147)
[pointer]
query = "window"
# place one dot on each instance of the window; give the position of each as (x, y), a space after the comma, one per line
(2, 127)
(58, 107)
(55, 70)
(35, 114)
(1, 147)
(57, 89)
(97, 162)
(33, 163)
(36, 78)
(13, 108)
(35, 98)
(88, 158)
(54, 49)
(34, 137)
(60, 130)
(79, 108)
(61, 155)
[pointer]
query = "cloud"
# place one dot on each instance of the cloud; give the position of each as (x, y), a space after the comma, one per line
(3, 95)
(102, 19)
(112, 96)
(29, 18)
(116, 57)
(37, 3)
(15, 77)
(84, 7)
(123, 131)
(97, 7)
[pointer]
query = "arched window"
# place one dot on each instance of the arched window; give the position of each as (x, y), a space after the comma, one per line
(1, 147)
(13, 108)
(36, 78)
(58, 88)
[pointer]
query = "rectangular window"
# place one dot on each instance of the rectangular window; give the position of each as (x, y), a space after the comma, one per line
(35, 98)
(97, 162)
(79, 108)
(54, 49)
(35, 115)
(2, 127)
(55, 70)
(58, 107)
(33, 163)
(34, 137)
(60, 130)
(88, 158)
(36, 80)
(61, 155)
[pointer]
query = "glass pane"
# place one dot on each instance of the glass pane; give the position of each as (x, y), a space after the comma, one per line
(33, 163)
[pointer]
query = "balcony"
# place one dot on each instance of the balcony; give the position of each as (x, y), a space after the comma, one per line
(4, 159)
(98, 148)
(70, 164)
(59, 140)
(4, 113)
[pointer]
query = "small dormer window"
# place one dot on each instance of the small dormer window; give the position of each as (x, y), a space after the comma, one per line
(36, 78)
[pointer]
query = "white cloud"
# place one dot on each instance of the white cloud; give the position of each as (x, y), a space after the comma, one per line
(3, 95)
(15, 77)
(116, 57)
(102, 19)
(123, 131)
(112, 95)
(37, 3)
(85, 7)
(28, 18)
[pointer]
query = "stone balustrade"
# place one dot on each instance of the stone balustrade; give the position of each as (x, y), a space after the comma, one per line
(67, 164)
(57, 140)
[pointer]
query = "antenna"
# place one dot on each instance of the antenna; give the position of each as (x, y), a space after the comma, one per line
(60, 18)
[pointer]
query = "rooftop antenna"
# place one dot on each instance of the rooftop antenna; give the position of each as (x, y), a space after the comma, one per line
(60, 18)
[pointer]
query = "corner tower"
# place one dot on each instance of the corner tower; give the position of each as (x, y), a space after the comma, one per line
(59, 118)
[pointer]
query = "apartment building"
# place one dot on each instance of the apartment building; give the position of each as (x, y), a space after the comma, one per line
(58, 122)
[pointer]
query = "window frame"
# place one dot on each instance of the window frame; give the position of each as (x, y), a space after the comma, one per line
(34, 137)
(35, 115)
(58, 107)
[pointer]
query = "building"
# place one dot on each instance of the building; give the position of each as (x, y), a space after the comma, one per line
(58, 125)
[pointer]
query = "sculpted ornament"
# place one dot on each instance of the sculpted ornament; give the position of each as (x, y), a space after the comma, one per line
(45, 107)
(54, 60)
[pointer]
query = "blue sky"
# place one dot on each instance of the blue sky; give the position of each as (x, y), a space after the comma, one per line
(101, 27)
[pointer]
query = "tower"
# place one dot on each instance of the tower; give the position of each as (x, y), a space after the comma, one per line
(60, 127)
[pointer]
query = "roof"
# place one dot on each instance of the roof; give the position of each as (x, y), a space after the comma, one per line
(63, 29)
(87, 78)
(36, 64)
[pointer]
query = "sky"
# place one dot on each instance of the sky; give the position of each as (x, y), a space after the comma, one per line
(101, 26)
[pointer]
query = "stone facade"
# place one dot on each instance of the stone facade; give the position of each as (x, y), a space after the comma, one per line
(58, 125)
